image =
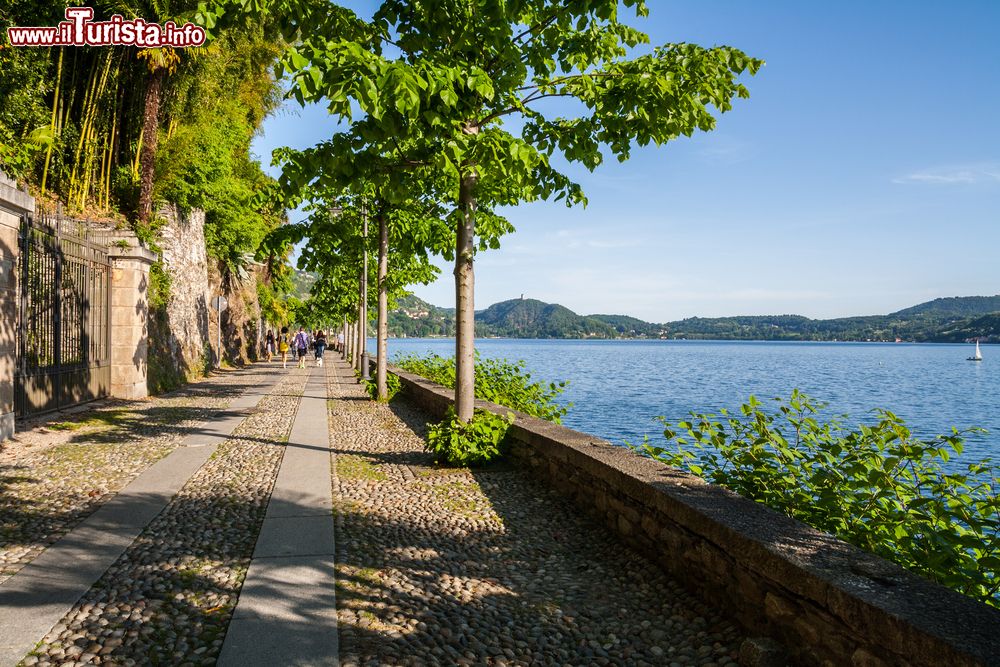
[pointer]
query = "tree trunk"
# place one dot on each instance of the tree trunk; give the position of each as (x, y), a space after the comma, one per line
(147, 159)
(343, 347)
(465, 308)
(363, 333)
(383, 307)
(348, 342)
(360, 333)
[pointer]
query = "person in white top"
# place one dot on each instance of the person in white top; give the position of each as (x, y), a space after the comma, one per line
(301, 345)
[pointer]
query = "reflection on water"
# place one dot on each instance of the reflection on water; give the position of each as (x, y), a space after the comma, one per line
(618, 387)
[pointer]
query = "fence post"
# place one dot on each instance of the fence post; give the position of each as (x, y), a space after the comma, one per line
(129, 320)
(15, 204)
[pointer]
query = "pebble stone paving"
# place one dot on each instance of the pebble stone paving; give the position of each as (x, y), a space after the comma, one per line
(458, 567)
(169, 598)
(54, 476)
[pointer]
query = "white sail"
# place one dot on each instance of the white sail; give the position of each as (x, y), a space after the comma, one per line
(979, 355)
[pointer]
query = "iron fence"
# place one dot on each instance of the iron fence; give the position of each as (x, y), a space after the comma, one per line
(64, 324)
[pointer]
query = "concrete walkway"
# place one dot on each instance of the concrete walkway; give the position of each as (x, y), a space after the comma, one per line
(287, 613)
(42, 592)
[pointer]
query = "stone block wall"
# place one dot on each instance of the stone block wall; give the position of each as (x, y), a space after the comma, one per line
(8, 319)
(129, 321)
(181, 332)
(13, 203)
(825, 601)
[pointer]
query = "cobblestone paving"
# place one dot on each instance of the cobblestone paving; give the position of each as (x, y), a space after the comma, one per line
(56, 474)
(169, 598)
(459, 567)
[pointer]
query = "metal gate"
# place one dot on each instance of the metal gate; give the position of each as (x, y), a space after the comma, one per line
(64, 323)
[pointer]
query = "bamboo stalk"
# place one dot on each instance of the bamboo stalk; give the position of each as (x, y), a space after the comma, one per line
(138, 151)
(83, 133)
(89, 154)
(52, 123)
(105, 186)
(111, 145)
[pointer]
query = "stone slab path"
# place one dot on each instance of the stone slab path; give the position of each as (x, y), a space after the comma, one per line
(44, 590)
(287, 613)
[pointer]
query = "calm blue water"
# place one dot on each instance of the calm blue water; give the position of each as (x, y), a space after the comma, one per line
(618, 387)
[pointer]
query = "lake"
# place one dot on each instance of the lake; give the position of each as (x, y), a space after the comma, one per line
(617, 388)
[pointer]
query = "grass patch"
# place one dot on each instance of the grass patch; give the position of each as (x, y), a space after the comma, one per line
(78, 453)
(464, 499)
(105, 419)
(442, 471)
(355, 467)
(346, 508)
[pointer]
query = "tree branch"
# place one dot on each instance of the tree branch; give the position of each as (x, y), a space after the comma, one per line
(564, 79)
(529, 31)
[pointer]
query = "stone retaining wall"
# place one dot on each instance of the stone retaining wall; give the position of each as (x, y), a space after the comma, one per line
(825, 601)
(182, 336)
(13, 203)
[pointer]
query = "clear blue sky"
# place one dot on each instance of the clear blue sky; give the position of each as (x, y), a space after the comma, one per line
(861, 177)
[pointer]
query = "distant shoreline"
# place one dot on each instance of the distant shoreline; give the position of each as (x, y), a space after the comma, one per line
(947, 320)
(699, 340)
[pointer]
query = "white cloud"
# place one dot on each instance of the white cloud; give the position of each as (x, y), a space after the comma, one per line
(969, 174)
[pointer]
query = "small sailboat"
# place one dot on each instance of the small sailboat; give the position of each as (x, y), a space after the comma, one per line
(978, 356)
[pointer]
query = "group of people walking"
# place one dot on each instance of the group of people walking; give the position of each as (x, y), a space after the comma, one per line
(299, 345)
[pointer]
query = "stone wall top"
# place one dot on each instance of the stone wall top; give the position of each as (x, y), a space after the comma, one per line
(13, 198)
(880, 603)
(139, 254)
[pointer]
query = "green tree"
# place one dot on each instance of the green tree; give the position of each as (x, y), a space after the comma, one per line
(443, 75)
(402, 197)
(406, 232)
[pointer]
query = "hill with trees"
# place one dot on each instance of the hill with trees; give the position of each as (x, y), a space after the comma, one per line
(954, 306)
(530, 318)
(415, 318)
(954, 319)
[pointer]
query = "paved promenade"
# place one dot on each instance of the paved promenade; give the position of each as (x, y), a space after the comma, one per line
(296, 522)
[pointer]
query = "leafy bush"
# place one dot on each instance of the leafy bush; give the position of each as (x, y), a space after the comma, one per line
(432, 366)
(499, 381)
(392, 386)
(475, 442)
(877, 487)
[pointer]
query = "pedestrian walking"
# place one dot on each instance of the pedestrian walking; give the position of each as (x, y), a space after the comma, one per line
(340, 342)
(269, 345)
(283, 347)
(302, 346)
(319, 343)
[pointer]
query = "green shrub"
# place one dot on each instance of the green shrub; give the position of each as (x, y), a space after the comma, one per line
(431, 366)
(877, 487)
(392, 386)
(475, 442)
(499, 381)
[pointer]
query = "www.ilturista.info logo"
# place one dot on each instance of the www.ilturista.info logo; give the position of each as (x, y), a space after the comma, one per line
(79, 29)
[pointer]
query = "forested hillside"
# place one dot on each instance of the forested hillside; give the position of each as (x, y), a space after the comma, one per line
(957, 306)
(530, 318)
(414, 318)
(955, 319)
